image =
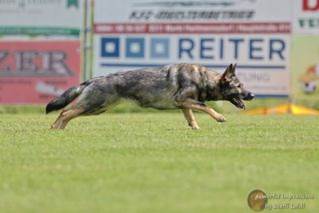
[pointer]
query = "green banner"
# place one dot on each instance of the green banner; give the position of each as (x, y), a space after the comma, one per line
(73, 3)
(38, 31)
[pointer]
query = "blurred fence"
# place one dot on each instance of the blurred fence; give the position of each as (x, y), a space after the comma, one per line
(275, 43)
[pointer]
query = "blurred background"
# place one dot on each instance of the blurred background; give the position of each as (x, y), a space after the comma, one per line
(47, 46)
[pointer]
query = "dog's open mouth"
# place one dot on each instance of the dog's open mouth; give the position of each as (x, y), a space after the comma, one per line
(237, 102)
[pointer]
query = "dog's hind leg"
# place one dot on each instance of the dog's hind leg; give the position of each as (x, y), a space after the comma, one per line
(65, 116)
(188, 113)
(94, 99)
(57, 122)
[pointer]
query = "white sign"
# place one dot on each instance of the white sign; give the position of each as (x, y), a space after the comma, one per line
(306, 17)
(143, 33)
(51, 17)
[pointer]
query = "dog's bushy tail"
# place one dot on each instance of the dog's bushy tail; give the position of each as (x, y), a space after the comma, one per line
(67, 97)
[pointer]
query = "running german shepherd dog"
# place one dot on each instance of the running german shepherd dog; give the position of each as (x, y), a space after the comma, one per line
(184, 86)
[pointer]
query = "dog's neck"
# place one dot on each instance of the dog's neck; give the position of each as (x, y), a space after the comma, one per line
(211, 91)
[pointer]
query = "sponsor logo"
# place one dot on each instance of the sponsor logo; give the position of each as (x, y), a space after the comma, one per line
(308, 15)
(34, 63)
(72, 3)
(195, 48)
(191, 10)
(29, 59)
(257, 200)
(310, 5)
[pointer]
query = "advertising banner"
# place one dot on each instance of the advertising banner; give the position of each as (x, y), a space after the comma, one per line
(305, 68)
(132, 34)
(306, 17)
(36, 71)
(305, 52)
(40, 17)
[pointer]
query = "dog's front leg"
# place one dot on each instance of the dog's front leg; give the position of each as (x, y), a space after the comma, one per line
(185, 99)
(188, 113)
(192, 104)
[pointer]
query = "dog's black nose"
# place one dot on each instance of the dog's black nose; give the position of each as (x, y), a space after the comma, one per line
(249, 96)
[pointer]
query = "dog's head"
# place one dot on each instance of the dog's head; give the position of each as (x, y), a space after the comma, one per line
(232, 89)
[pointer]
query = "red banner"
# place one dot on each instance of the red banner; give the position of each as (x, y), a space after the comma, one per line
(35, 71)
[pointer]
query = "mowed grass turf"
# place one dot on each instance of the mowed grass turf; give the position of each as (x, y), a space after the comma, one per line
(153, 162)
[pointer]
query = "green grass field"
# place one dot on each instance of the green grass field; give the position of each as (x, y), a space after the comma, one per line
(152, 162)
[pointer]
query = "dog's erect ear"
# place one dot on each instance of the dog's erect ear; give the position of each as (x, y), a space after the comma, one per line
(234, 68)
(228, 73)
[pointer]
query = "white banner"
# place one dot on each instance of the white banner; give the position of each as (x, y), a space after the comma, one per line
(131, 34)
(38, 17)
(306, 17)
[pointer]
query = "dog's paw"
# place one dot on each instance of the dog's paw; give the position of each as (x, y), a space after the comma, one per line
(220, 118)
(194, 126)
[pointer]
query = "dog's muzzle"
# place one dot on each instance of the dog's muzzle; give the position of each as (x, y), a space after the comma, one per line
(249, 96)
